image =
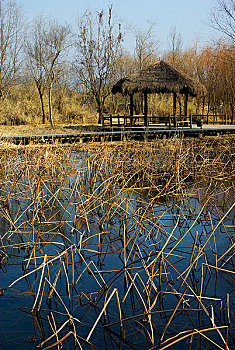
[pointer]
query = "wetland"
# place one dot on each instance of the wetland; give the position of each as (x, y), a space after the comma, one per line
(126, 245)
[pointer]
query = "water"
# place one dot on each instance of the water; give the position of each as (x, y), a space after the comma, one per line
(98, 240)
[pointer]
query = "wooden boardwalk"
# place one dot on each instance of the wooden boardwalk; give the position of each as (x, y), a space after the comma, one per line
(118, 134)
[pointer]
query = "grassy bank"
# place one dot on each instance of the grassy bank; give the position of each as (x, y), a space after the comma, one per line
(40, 129)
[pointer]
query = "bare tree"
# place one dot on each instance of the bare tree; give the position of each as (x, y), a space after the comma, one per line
(36, 54)
(145, 47)
(98, 44)
(223, 18)
(10, 44)
(46, 42)
(175, 46)
(145, 54)
(56, 40)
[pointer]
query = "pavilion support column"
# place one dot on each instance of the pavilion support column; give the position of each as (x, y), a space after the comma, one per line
(145, 109)
(131, 108)
(186, 105)
(174, 108)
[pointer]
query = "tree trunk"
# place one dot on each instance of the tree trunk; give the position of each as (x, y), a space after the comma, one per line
(208, 111)
(101, 112)
(39, 88)
(232, 113)
(100, 105)
(42, 106)
(50, 106)
(203, 105)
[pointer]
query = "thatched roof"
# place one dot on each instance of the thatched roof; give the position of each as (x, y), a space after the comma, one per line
(159, 78)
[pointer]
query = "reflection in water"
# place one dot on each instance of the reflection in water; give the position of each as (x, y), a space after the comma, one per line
(99, 251)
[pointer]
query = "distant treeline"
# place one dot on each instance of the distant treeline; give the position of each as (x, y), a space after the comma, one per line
(49, 72)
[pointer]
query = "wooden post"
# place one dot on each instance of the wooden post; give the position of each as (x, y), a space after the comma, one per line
(131, 108)
(145, 108)
(191, 121)
(174, 108)
(186, 104)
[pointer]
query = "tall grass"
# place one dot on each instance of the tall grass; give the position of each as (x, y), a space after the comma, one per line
(22, 107)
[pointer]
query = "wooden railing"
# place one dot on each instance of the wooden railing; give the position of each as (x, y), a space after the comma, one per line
(213, 118)
(170, 121)
(139, 120)
(124, 120)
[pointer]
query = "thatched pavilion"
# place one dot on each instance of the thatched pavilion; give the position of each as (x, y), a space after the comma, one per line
(159, 78)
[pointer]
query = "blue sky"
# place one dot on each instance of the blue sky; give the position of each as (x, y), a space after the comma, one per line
(188, 16)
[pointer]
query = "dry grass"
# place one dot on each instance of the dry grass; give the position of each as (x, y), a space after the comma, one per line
(40, 129)
(22, 107)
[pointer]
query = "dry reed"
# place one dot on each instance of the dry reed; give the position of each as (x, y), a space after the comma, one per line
(110, 234)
